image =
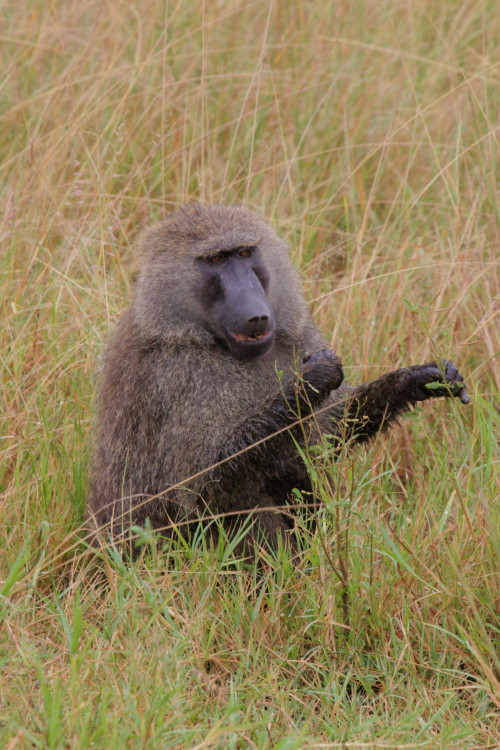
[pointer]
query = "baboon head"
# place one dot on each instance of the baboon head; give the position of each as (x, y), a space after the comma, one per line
(218, 274)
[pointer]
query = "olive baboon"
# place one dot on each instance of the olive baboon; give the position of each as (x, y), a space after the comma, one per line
(203, 365)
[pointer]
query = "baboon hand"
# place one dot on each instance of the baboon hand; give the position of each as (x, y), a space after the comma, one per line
(322, 372)
(437, 379)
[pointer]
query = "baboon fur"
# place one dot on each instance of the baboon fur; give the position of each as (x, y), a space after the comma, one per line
(173, 401)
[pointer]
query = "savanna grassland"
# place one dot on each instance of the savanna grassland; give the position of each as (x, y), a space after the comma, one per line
(368, 133)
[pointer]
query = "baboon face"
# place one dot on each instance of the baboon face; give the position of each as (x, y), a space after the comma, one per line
(233, 286)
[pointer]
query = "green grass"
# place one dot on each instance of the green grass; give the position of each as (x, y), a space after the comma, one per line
(368, 133)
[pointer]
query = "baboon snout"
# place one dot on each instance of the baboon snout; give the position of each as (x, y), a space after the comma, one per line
(253, 325)
(250, 313)
(251, 328)
(258, 324)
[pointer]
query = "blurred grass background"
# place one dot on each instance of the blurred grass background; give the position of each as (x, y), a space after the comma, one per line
(368, 133)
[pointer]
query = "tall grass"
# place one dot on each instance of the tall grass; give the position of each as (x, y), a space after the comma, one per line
(368, 133)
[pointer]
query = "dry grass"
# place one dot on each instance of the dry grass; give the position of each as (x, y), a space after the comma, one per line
(368, 132)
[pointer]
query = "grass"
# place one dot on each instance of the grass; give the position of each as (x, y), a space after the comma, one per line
(368, 133)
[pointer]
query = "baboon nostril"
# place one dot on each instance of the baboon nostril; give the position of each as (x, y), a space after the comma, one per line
(258, 319)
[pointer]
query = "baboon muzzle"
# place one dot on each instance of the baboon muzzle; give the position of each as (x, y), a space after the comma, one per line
(247, 316)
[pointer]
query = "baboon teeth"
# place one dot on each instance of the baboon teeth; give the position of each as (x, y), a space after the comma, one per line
(251, 337)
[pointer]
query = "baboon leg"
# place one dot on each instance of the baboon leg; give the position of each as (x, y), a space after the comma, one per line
(372, 407)
(267, 524)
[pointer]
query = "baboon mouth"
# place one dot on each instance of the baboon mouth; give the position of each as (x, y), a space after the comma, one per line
(251, 337)
(249, 345)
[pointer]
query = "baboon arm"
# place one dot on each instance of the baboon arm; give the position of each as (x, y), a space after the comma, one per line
(264, 437)
(372, 407)
(256, 440)
(267, 436)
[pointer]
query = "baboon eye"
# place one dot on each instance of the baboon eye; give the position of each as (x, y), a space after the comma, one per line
(215, 258)
(243, 252)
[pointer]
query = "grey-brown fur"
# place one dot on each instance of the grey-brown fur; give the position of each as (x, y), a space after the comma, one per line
(174, 402)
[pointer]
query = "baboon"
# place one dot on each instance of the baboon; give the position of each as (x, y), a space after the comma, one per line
(216, 353)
